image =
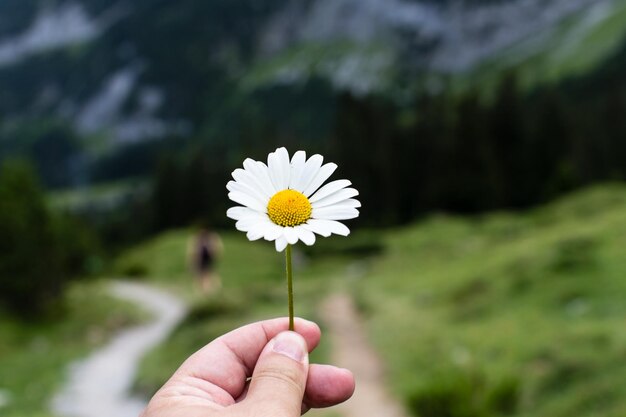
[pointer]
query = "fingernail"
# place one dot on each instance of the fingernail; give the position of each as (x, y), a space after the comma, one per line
(291, 345)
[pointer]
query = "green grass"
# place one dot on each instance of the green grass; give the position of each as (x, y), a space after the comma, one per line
(34, 355)
(506, 314)
(521, 311)
(502, 314)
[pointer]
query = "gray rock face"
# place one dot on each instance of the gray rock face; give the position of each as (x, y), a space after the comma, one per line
(450, 36)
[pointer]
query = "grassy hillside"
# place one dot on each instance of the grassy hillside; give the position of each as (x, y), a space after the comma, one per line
(503, 314)
(507, 314)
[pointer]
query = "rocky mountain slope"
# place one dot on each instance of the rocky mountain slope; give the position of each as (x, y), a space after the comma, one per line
(121, 72)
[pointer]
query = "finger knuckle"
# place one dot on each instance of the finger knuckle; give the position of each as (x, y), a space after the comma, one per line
(289, 379)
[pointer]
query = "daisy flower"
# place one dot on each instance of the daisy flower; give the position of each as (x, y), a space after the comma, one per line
(285, 201)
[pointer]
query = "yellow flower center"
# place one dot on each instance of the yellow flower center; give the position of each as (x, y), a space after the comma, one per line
(289, 208)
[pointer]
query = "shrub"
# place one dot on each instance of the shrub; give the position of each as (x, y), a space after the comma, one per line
(465, 394)
(134, 270)
(503, 398)
(454, 394)
(574, 254)
(38, 250)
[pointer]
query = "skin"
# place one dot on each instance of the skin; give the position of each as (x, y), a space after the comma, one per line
(215, 381)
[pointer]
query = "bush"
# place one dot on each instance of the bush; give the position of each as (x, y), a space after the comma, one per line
(38, 250)
(134, 270)
(574, 254)
(503, 398)
(453, 394)
(465, 394)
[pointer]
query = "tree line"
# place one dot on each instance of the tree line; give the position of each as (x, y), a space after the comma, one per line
(40, 250)
(457, 153)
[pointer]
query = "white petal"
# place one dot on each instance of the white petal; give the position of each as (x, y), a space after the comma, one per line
(242, 176)
(244, 225)
(305, 235)
(259, 172)
(273, 232)
(323, 174)
(254, 234)
(255, 181)
(279, 168)
(297, 165)
(281, 244)
(332, 213)
(250, 222)
(298, 158)
(335, 197)
(237, 213)
(283, 158)
(273, 170)
(258, 229)
(316, 229)
(245, 189)
(326, 227)
(328, 189)
(247, 200)
(291, 235)
(349, 203)
(309, 171)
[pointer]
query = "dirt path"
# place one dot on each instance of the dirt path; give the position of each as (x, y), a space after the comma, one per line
(351, 350)
(99, 385)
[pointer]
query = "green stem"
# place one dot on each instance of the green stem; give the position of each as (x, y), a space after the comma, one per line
(289, 285)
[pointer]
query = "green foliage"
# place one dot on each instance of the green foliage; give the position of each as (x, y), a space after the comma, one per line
(457, 393)
(449, 396)
(362, 245)
(31, 271)
(190, 191)
(39, 250)
(134, 270)
(505, 314)
(575, 254)
(504, 397)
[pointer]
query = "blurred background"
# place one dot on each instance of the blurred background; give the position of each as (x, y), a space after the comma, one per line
(485, 275)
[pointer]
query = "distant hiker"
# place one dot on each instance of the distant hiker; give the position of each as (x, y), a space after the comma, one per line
(204, 251)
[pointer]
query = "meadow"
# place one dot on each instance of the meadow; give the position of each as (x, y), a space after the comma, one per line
(503, 314)
(506, 314)
(34, 355)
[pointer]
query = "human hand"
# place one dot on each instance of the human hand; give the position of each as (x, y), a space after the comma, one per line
(213, 381)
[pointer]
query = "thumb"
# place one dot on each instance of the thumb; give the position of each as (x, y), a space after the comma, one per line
(279, 378)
